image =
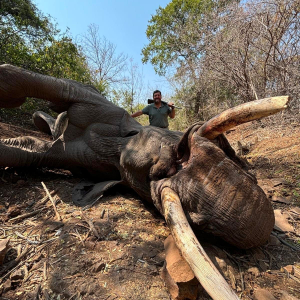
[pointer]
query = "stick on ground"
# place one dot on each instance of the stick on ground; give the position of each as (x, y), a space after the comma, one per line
(53, 202)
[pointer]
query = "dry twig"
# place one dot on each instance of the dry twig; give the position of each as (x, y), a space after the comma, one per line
(34, 242)
(36, 292)
(285, 242)
(45, 270)
(53, 202)
(15, 263)
(92, 227)
(46, 294)
(46, 198)
(33, 213)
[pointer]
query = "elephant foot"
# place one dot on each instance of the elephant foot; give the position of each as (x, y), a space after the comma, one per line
(49, 125)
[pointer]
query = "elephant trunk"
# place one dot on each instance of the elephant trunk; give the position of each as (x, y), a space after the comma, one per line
(22, 83)
(22, 151)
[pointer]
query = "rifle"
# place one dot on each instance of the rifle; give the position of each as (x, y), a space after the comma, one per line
(150, 101)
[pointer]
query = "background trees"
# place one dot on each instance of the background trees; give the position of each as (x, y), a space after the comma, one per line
(105, 63)
(257, 49)
(22, 27)
(215, 53)
(29, 39)
(222, 53)
(131, 92)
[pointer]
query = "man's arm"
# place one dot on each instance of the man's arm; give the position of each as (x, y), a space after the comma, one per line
(172, 113)
(137, 114)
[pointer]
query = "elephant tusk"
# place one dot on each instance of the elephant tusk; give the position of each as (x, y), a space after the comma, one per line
(241, 114)
(205, 271)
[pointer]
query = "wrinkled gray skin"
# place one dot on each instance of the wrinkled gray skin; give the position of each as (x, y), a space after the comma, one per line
(99, 139)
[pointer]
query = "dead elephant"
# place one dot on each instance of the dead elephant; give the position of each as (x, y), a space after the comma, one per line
(192, 178)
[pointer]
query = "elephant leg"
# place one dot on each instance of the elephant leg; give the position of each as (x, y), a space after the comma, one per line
(33, 152)
(75, 155)
(22, 151)
(44, 122)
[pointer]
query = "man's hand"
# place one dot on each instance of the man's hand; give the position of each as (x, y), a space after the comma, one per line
(171, 104)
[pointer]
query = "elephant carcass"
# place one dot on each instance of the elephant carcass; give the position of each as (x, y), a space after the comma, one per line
(193, 178)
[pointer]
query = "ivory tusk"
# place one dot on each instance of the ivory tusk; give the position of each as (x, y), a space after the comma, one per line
(241, 114)
(205, 271)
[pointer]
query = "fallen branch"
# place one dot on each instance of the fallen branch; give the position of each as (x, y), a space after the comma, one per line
(14, 263)
(34, 242)
(77, 234)
(27, 239)
(285, 242)
(90, 205)
(46, 198)
(27, 215)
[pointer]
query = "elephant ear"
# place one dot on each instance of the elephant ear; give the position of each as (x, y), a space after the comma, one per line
(213, 129)
(183, 147)
(87, 192)
(43, 122)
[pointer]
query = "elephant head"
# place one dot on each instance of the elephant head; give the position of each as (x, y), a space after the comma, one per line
(198, 180)
(212, 192)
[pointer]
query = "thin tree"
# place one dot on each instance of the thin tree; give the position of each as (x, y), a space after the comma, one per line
(106, 64)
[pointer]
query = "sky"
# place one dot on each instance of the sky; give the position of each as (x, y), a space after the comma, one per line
(122, 22)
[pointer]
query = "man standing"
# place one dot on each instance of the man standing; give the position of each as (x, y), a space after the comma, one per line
(158, 111)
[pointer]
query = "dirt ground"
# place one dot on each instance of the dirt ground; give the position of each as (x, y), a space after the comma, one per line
(114, 249)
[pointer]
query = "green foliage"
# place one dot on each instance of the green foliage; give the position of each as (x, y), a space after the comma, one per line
(101, 85)
(125, 99)
(181, 121)
(172, 33)
(24, 13)
(30, 40)
(22, 28)
(62, 59)
(22, 18)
